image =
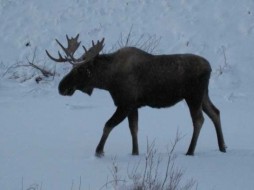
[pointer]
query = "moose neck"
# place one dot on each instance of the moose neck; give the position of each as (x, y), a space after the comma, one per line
(102, 75)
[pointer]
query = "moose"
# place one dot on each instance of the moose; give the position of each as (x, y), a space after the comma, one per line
(135, 78)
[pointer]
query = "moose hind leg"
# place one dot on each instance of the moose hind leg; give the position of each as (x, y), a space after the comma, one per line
(214, 114)
(119, 115)
(133, 125)
(194, 103)
(198, 120)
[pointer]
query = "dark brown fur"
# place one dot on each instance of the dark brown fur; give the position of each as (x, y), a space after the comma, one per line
(135, 78)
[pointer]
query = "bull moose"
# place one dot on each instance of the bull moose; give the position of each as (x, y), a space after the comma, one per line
(135, 78)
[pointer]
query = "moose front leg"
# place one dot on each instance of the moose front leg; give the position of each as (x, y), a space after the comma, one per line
(120, 114)
(133, 124)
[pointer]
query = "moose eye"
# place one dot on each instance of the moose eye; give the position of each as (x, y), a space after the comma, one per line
(80, 71)
(84, 72)
(88, 72)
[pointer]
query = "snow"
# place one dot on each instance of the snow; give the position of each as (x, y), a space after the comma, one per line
(48, 141)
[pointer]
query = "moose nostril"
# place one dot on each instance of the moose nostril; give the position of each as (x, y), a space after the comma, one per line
(65, 92)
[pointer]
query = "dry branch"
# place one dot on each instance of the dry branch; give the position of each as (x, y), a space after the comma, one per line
(44, 72)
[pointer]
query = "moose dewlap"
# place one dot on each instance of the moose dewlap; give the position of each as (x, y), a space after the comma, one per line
(135, 78)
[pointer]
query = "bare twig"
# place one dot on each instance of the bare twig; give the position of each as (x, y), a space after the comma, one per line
(72, 184)
(125, 41)
(224, 55)
(170, 169)
(79, 183)
(22, 183)
(44, 72)
(225, 66)
(134, 175)
(37, 71)
(145, 42)
(151, 177)
(115, 173)
(111, 182)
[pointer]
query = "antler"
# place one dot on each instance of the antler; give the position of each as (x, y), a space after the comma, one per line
(93, 51)
(72, 46)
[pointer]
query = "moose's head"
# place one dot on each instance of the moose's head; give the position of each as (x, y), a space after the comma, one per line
(80, 77)
(77, 79)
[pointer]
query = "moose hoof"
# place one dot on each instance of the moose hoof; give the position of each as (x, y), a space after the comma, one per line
(223, 148)
(99, 154)
(189, 154)
(135, 154)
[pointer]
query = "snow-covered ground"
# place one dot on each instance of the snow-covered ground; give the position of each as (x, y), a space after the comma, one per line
(47, 141)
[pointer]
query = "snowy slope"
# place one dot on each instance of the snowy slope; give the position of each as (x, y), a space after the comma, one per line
(49, 141)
